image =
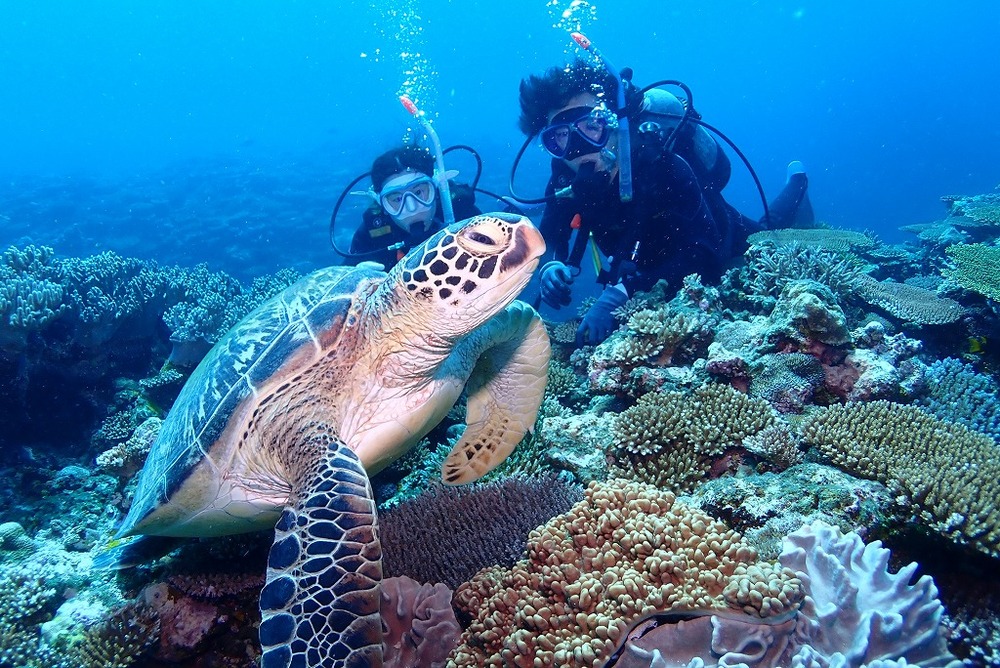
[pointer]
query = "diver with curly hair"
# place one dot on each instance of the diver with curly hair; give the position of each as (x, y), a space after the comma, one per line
(673, 221)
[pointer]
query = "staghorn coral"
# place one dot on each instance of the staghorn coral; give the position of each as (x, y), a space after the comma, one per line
(768, 269)
(829, 239)
(670, 438)
(448, 533)
(976, 267)
(910, 302)
(625, 551)
(949, 473)
(418, 622)
(124, 459)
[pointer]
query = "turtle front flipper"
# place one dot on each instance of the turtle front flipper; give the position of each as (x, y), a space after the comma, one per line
(320, 604)
(505, 391)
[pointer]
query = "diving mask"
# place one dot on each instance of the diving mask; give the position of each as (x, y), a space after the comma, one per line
(407, 193)
(578, 131)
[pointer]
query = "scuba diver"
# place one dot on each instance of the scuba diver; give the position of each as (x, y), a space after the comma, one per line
(406, 207)
(635, 172)
(412, 196)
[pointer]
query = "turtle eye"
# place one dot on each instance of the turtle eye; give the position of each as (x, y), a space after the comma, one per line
(481, 238)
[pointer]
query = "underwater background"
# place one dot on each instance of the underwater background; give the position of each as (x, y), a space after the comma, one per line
(165, 167)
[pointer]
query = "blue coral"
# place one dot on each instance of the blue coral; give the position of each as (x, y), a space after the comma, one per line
(955, 392)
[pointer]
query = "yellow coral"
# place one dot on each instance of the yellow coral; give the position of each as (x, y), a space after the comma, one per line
(950, 473)
(625, 551)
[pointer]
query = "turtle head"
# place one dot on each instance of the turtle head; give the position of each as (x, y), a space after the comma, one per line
(469, 271)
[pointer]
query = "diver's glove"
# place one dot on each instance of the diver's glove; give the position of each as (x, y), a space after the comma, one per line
(556, 281)
(598, 324)
(591, 185)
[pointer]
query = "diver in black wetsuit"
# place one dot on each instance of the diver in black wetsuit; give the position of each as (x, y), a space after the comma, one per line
(677, 221)
(407, 207)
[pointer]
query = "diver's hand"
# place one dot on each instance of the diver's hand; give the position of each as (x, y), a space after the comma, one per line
(598, 324)
(556, 281)
(590, 184)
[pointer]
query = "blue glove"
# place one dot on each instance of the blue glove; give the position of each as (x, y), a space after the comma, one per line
(556, 281)
(598, 324)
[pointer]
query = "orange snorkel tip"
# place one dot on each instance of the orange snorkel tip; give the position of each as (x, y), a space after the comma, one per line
(409, 105)
(580, 39)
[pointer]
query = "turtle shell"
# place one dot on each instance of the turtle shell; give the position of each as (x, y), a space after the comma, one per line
(261, 348)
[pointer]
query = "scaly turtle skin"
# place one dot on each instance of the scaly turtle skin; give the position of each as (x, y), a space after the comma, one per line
(328, 382)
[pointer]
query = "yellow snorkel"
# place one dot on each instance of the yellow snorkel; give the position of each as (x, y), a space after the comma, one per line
(440, 176)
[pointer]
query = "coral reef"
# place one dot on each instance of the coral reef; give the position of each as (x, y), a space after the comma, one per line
(448, 533)
(418, 622)
(855, 613)
(625, 551)
(949, 473)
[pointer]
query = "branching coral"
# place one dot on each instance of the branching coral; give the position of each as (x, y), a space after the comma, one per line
(769, 268)
(669, 438)
(953, 391)
(120, 640)
(625, 551)
(949, 473)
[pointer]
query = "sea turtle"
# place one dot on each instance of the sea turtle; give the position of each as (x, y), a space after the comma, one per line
(330, 381)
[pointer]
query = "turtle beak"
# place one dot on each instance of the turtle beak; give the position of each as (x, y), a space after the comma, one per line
(527, 248)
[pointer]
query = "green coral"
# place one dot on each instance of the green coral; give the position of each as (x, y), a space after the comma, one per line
(976, 267)
(669, 438)
(910, 303)
(949, 472)
(839, 241)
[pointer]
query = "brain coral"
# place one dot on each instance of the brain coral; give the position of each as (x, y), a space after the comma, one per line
(626, 550)
(950, 473)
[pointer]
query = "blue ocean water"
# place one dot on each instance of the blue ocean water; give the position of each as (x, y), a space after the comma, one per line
(223, 132)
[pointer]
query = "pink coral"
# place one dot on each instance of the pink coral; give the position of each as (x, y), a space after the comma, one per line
(418, 622)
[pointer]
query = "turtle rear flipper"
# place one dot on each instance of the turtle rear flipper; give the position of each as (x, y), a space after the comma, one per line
(505, 392)
(320, 605)
(124, 553)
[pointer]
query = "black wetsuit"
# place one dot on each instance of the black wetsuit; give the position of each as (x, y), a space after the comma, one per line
(678, 222)
(378, 231)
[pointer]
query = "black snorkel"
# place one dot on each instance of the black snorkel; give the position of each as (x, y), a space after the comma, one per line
(690, 115)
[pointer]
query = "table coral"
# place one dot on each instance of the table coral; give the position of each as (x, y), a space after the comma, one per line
(976, 268)
(830, 239)
(625, 551)
(909, 302)
(949, 473)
